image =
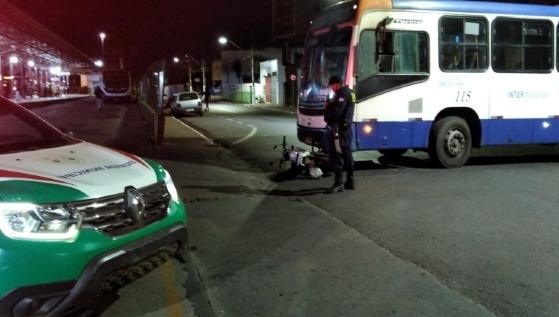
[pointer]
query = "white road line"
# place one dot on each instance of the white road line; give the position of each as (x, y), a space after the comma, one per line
(229, 119)
(248, 136)
(239, 122)
(209, 140)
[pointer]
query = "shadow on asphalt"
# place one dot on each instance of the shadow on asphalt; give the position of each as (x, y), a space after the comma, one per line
(504, 160)
(300, 173)
(244, 190)
(413, 162)
(236, 190)
(298, 193)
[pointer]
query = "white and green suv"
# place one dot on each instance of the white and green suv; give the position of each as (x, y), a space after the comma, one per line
(77, 221)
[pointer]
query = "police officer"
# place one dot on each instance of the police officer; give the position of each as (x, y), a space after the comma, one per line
(338, 114)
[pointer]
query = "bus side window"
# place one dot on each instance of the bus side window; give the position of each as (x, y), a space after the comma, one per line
(385, 63)
(386, 54)
(452, 57)
(367, 54)
(463, 44)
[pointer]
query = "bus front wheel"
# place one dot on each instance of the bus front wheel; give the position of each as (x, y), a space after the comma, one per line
(450, 143)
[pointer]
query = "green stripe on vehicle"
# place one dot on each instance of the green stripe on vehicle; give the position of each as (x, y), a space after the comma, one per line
(38, 192)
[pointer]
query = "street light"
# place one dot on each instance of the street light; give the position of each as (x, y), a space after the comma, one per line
(98, 63)
(223, 41)
(102, 36)
(31, 63)
(13, 60)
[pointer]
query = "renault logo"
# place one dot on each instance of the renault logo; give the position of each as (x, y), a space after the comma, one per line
(134, 204)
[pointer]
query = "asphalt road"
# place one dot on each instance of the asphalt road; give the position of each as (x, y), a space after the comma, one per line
(412, 240)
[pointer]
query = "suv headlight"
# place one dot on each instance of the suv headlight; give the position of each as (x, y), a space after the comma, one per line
(32, 222)
(171, 187)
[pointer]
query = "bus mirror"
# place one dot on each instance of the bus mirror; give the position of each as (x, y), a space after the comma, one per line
(382, 35)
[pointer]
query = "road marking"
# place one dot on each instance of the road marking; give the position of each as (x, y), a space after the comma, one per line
(229, 119)
(172, 297)
(240, 122)
(209, 140)
(248, 136)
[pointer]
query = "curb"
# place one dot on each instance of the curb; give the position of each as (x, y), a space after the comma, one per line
(43, 103)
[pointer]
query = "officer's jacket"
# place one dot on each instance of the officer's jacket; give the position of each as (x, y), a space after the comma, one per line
(339, 111)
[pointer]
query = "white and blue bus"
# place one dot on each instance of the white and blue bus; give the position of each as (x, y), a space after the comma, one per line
(437, 76)
(116, 86)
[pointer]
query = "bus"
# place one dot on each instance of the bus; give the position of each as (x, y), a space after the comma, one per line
(116, 86)
(435, 76)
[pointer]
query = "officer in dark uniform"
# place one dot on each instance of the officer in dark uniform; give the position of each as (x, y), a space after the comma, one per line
(338, 114)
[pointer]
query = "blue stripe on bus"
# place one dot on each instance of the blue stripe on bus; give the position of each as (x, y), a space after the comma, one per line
(393, 135)
(467, 6)
(415, 134)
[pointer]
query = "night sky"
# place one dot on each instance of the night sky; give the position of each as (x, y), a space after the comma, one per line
(152, 29)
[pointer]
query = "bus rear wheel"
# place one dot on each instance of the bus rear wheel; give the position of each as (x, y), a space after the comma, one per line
(450, 143)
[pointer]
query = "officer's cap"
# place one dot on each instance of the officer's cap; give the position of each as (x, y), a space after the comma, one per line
(335, 80)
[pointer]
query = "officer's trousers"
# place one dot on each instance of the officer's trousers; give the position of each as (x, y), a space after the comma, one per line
(341, 162)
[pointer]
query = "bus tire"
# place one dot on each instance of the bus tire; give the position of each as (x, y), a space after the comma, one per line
(393, 152)
(450, 142)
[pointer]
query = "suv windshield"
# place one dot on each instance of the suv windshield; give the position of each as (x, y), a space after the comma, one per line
(23, 131)
(326, 55)
(188, 96)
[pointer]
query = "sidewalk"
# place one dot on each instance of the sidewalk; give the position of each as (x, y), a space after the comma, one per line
(46, 101)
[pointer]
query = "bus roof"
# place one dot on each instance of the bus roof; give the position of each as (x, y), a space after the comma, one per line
(468, 6)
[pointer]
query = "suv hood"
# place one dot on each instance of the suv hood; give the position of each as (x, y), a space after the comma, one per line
(93, 170)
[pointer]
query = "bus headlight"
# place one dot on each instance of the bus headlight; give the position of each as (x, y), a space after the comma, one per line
(27, 221)
(171, 188)
(368, 128)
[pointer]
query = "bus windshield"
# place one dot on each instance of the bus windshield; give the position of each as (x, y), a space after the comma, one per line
(326, 55)
(116, 80)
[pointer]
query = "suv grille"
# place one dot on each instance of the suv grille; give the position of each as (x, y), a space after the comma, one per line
(107, 214)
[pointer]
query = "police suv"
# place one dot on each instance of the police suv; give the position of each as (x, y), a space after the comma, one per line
(77, 221)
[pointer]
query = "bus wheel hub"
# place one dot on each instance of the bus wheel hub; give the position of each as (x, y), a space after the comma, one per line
(455, 142)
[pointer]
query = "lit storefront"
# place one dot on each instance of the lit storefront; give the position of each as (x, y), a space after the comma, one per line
(35, 62)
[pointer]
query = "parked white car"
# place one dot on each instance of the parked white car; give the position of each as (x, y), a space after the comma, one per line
(187, 102)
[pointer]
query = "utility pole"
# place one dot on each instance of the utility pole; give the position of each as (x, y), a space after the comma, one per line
(253, 97)
(189, 75)
(204, 75)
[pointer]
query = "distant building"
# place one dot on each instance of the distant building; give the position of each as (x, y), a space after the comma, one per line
(34, 61)
(269, 76)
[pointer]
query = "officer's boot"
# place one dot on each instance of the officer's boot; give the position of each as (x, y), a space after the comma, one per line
(338, 185)
(349, 182)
